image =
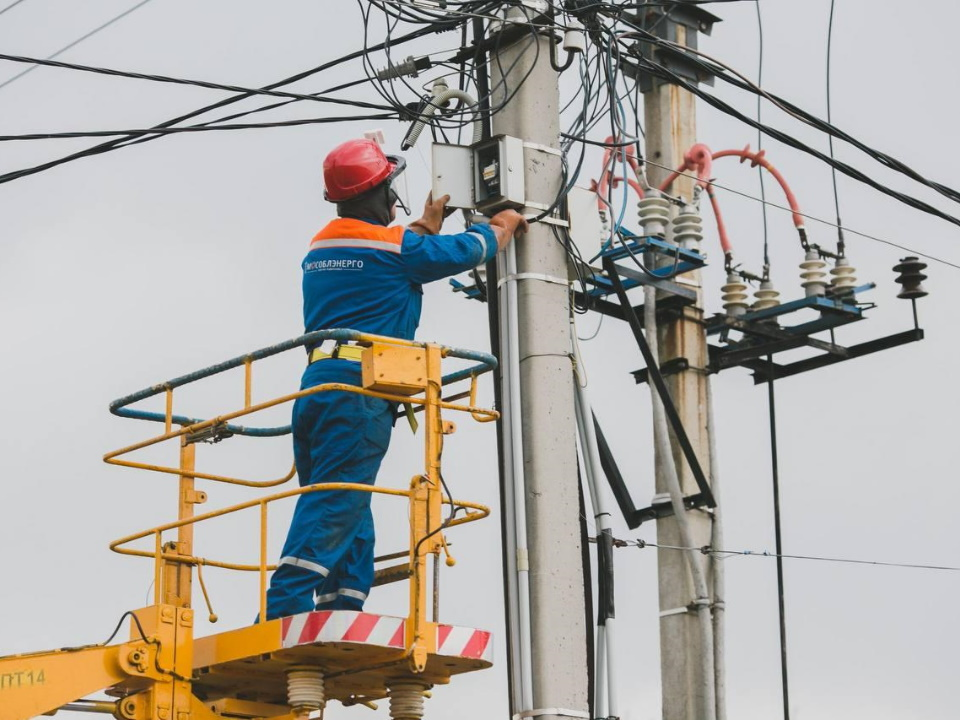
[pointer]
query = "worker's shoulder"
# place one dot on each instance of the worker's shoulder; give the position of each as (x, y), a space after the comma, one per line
(349, 232)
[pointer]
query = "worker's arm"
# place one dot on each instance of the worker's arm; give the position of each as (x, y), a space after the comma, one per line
(430, 256)
(506, 224)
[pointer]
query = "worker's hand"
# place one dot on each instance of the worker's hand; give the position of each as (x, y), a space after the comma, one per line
(434, 211)
(506, 224)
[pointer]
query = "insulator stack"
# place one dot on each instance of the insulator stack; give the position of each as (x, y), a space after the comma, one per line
(305, 691)
(844, 278)
(654, 214)
(813, 274)
(735, 296)
(766, 296)
(911, 276)
(688, 228)
(406, 699)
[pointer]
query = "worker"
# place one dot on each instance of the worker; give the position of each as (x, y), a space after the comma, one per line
(364, 274)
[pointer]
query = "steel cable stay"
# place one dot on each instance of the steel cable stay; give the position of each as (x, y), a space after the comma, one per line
(708, 550)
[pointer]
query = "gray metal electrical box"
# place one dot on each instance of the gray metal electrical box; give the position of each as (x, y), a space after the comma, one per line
(487, 176)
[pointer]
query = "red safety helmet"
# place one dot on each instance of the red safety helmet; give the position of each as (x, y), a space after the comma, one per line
(354, 167)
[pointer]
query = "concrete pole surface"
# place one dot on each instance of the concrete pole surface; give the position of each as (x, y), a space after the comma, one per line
(670, 127)
(558, 630)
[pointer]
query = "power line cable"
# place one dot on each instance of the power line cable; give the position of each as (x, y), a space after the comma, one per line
(707, 550)
(760, 171)
(719, 69)
(77, 41)
(132, 140)
(666, 73)
(186, 81)
(833, 170)
(199, 128)
(11, 6)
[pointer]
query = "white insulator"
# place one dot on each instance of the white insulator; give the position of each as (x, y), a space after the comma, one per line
(305, 691)
(406, 699)
(735, 296)
(654, 214)
(813, 274)
(688, 228)
(766, 296)
(844, 277)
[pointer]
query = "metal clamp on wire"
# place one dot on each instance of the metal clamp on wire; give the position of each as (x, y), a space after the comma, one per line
(559, 712)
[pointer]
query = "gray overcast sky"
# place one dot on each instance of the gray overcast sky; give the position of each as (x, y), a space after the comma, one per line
(135, 266)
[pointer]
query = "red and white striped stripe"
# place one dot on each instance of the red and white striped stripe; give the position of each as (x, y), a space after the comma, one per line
(464, 642)
(343, 626)
(382, 630)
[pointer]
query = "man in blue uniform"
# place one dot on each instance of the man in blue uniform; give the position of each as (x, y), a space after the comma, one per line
(360, 273)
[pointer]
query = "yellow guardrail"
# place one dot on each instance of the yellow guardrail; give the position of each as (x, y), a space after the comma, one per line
(412, 372)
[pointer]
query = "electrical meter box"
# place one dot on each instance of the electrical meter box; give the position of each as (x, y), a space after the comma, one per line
(487, 176)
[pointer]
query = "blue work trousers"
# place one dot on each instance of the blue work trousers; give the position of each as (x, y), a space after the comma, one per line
(327, 560)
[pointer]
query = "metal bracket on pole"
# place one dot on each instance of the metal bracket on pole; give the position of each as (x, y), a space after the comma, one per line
(705, 496)
(559, 712)
(533, 276)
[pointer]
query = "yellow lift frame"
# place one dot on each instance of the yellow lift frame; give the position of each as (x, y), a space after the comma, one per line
(287, 667)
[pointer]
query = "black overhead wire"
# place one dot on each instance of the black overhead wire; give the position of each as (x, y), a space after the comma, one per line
(132, 140)
(11, 6)
(708, 550)
(760, 170)
(718, 69)
(199, 128)
(318, 97)
(668, 74)
(833, 170)
(76, 42)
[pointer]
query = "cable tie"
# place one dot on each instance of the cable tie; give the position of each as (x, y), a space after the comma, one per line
(706, 550)
(641, 544)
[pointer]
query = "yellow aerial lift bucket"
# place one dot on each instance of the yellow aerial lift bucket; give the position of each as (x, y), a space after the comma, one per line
(292, 666)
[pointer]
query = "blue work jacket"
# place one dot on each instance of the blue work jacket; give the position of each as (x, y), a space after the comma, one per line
(368, 277)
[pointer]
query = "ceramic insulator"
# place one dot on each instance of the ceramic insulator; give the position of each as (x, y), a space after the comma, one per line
(688, 228)
(813, 274)
(305, 691)
(654, 215)
(766, 296)
(406, 700)
(735, 295)
(844, 277)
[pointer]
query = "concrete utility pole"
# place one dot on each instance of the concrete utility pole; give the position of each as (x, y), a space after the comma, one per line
(670, 126)
(558, 658)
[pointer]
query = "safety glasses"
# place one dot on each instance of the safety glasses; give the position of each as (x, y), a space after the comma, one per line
(397, 183)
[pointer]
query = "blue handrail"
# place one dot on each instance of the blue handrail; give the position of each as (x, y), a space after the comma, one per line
(484, 363)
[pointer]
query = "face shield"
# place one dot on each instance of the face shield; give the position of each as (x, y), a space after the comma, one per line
(397, 183)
